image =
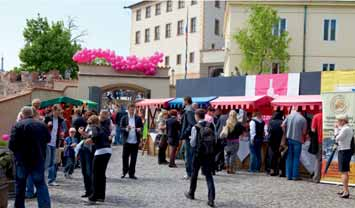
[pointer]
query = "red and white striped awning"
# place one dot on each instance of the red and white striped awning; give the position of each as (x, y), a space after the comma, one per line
(241, 102)
(311, 101)
(157, 103)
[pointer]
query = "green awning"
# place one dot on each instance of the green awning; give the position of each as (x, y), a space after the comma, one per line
(59, 100)
(89, 103)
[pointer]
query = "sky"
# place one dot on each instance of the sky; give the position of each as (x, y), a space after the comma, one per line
(106, 21)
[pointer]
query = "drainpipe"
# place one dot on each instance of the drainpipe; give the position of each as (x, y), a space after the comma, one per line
(304, 38)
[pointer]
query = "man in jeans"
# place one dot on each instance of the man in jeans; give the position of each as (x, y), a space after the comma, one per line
(54, 123)
(29, 138)
(188, 121)
(317, 127)
(295, 127)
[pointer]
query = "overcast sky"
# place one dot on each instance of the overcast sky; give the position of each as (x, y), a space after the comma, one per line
(106, 21)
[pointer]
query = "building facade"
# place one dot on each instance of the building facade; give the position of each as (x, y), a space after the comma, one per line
(321, 32)
(161, 25)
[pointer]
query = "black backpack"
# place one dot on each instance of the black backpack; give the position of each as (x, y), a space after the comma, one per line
(206, 140)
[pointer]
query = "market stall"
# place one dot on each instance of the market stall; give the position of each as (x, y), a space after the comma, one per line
(152, 106)
(248, 104)
(59, 100)
(311, 104)
(202, 102)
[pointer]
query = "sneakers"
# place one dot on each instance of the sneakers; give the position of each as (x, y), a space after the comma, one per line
(210, 203)
(53, 184)
(186, 177)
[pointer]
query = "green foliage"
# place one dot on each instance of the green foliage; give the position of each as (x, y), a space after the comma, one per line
(48, 46)
(259, 45)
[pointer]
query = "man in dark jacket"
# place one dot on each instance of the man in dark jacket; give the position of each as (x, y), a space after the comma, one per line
(120, 114)
(188, 121)
(131, 128)
(173, 132)
(55, 126)
(29, 139)
(78, 121)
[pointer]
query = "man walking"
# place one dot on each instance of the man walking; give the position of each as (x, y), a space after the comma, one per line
(29, 138)
(202, 143)
(188, 121)
(54, 123)
(295, 128)
(131, 127)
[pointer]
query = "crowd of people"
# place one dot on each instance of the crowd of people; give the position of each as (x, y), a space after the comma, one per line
(42, 140)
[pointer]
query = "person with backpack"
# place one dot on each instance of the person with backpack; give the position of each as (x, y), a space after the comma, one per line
(202, 143)
(344, 138)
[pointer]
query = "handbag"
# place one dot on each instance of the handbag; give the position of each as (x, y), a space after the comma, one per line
(313, 147)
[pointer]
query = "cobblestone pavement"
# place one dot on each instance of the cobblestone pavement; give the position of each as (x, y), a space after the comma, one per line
(160, 187)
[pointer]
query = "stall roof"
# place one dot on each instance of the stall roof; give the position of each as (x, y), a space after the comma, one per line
(201, 101)
(160, 102)
(89, 103)
(244, 102)
(59, 100)
(302, 100)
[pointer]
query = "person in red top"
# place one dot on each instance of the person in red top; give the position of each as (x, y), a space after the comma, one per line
(317, 127)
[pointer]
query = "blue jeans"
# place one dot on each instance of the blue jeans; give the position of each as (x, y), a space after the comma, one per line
(255, 156)
(293, 159)
(30, 190)
(52, 166)
(37, 175)
(118, 139)
(188, 157)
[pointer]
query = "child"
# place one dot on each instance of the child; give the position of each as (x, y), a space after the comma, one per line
(69, 153)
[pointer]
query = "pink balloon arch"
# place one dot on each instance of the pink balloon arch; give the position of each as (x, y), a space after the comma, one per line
(146, 65)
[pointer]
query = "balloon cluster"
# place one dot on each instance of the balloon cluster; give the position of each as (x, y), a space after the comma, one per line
(5, 137)
(147, 65)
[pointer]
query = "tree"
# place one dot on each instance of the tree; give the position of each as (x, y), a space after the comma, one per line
(49, 46)
(260, 43)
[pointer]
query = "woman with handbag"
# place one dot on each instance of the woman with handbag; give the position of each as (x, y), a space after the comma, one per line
(163, 144)
(231, 133)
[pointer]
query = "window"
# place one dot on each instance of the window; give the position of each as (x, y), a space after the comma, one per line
(180, 27)
(192, 57)
(275, 68)
(216, 27)
(169, 6)
(157, 33)
(193, 25)
(178, 59)
(329, 29)
(158, 9)
(147, 35)
(217, 4)
(168, 30)
(138, 15)
(181, 4)
(279, 28)
(147, 12)
(212, 46)
(138, 37)
(193, 2)
(328, 67)
(167, 61)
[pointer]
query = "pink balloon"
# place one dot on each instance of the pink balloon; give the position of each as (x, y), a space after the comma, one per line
(5, 137)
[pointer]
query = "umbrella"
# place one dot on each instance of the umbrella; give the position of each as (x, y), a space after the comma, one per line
(60, 100)
(329, 161)
(89, 103)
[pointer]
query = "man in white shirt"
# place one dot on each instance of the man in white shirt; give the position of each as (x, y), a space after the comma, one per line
(131, 128)
(54, 124)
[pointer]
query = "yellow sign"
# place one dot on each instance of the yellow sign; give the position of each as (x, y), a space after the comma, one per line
(334, 104)
(337, 81)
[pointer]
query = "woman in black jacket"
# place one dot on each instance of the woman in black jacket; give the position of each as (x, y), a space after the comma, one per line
(102, 154)
(173, 132)
(275, 135)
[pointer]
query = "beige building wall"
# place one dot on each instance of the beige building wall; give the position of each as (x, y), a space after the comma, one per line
(205, 13)
(340, 52)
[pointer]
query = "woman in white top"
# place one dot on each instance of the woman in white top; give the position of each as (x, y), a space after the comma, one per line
(343, 137)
